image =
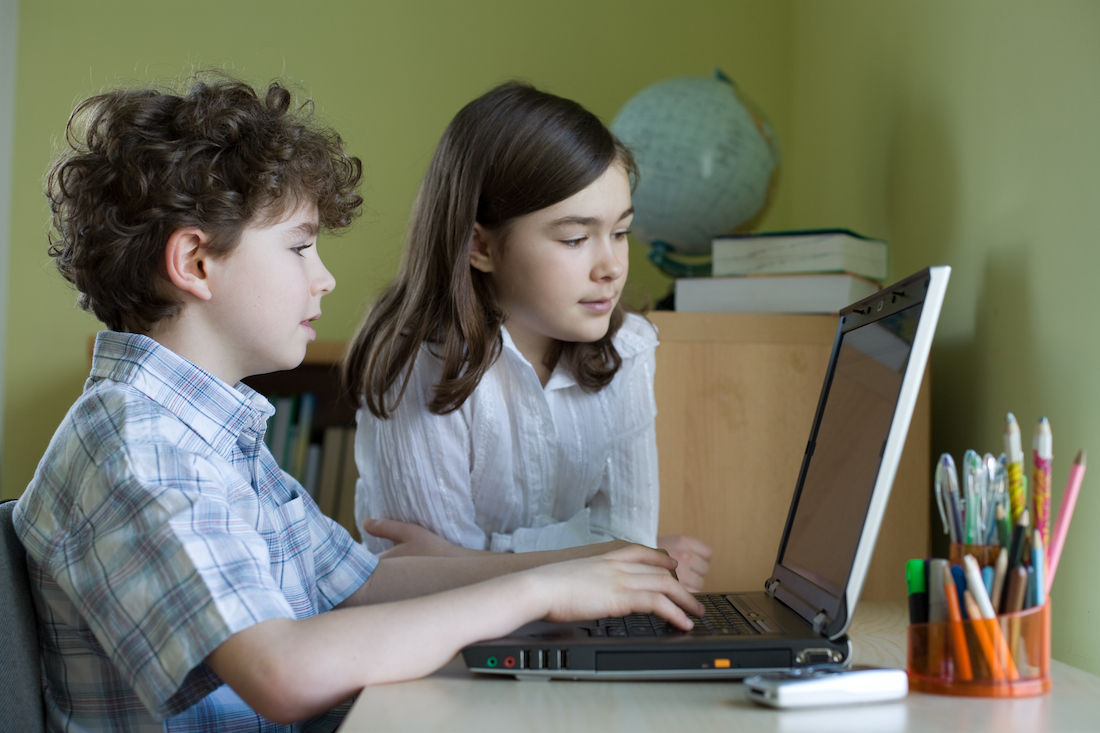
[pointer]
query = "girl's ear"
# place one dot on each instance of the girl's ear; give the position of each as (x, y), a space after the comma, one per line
(481, 249)
(185, 257)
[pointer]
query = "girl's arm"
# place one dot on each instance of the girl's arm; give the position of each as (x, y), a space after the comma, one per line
(288, 670)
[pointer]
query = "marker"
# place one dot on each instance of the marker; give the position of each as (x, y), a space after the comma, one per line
(976, 586)
(1029, 594)
(1000, 571)
(1065, 514)
(937, 603)
(987, 581)
(1017, 494)
(958, 636)
(1038, 560)
(1041, 454)
(918, 591)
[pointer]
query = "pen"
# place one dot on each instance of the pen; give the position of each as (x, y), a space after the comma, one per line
(1017, 495)
(1041, 454)
(987, 580)
(1065, 514)
(1038, 560)
(947, 490)
(958, 636)
(918, 591)
(973, 481)
(1029, 594)
(981, 630)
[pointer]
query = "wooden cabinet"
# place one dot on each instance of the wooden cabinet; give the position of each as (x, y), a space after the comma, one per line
(736, 395)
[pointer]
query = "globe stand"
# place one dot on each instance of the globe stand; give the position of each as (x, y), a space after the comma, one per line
(660, 254)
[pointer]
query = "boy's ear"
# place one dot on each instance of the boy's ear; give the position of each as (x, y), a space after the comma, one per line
(185, 258)
(482, 249)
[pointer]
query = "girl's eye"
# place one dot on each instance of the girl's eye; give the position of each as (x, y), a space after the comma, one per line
(575, 242)
(622, 234)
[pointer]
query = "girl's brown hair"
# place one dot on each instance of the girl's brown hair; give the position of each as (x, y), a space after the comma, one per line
(510, 152)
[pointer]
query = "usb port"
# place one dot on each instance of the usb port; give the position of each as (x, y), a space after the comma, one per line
(525, 659)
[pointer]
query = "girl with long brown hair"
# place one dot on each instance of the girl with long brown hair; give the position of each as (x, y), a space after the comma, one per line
(507, 397)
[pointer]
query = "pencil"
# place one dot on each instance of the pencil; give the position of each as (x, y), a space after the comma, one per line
(1017, 494)
(1065, 514)
(981, 630)
(958, 636)
(1042, 454)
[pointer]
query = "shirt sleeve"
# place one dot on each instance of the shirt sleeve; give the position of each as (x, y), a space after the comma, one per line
(415, 467)
(161, 568)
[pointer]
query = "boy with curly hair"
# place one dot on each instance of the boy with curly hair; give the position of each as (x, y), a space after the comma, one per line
(182, 580)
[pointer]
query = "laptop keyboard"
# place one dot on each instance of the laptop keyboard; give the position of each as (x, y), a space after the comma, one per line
(721, 618)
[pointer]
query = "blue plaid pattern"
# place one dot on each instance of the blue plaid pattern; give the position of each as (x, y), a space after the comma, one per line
(156, 526)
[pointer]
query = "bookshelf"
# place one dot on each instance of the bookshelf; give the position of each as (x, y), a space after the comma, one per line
(332, 426)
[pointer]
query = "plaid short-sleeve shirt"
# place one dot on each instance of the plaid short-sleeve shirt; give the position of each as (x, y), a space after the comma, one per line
(156, 526)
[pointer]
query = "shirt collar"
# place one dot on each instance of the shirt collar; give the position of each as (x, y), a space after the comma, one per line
(560, 378)
(217, 412)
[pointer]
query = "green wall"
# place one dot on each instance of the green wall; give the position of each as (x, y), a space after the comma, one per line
(388, 75)
(965, 133)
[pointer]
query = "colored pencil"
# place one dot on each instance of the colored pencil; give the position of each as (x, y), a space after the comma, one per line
(1065, 514)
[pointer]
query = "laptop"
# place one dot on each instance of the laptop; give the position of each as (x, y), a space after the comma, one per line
(801, 616)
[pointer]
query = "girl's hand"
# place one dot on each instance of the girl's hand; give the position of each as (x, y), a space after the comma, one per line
(634, 579)
(693, 556)
(412, 539)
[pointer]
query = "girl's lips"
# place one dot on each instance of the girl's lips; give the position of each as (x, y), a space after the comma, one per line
(603, 305)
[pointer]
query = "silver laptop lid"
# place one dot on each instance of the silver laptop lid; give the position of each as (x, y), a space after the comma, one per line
(858, 433)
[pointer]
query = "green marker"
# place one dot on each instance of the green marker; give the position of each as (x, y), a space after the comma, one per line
(916, 575)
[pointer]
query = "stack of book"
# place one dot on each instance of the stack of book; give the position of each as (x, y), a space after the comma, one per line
(816, 271)
(322, 459)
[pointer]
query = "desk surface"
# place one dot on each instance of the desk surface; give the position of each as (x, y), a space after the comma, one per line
(452, 699)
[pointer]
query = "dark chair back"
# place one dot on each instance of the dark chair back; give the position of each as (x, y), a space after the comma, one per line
(20, 671)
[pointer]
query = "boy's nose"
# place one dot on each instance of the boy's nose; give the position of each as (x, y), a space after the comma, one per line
(323, 281)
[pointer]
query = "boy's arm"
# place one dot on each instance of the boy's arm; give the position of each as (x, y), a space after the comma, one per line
(289, 670)
(401, 577)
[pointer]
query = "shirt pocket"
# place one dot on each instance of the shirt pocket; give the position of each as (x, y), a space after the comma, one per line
(292, 556)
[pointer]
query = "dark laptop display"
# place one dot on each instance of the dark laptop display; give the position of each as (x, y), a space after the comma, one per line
(855, 443)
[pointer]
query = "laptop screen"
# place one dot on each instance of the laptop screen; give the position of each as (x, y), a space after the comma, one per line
(849, 444)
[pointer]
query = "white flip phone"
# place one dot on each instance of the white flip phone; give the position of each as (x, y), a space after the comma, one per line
(823, 686)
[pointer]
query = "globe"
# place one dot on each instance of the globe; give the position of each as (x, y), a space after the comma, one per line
(705, 161)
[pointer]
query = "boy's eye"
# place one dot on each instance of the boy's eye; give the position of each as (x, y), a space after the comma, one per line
(299, 248)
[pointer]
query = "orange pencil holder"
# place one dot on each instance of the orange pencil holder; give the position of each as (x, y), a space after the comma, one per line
(1008, 656)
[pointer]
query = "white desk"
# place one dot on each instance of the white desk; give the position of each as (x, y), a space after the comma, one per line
(452, 699)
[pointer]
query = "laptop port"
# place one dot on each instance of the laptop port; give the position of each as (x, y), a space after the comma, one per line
(510, 662)
(818, 656)
(525, 659)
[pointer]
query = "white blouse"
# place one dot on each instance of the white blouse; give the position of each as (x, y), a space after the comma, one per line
(519, 466)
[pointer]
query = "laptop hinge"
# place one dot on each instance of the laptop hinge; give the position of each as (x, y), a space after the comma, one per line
(798, 604)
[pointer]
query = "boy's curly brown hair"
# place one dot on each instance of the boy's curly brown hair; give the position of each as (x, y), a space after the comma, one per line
(140, 164)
